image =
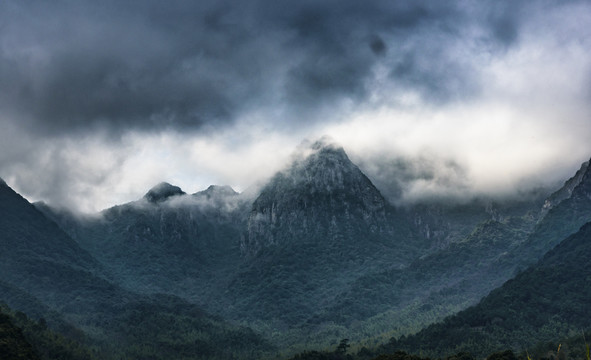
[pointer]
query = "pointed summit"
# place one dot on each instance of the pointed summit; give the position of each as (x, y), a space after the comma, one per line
(162, 192)
(325, 145)
(583, 188)
(320, 195)
(324, 167)
(566, 190)
(564, 217)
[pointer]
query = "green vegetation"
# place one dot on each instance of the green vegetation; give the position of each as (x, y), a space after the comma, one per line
(23, 338)
(13, 344)
(47, 275)
(570, 348)
(547, 301)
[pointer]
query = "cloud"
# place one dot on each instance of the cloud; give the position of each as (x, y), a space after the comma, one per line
(101, 100)
(94, 172)
(76, 66)
(377, 45)
(69, 173)
(422, 177)
(71, 67)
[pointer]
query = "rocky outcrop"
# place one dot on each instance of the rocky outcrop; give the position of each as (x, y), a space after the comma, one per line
(565, 191)
(162, 192)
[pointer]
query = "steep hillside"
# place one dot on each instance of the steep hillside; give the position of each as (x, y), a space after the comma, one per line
(548, 301)
(24, 338)
(25, 231)
(565, 212)
(167, 241)
(45, 272)
(38, 257)
(13, 344)
(435, 285)
(566, 190)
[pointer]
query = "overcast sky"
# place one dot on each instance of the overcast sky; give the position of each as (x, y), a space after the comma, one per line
(100, 100)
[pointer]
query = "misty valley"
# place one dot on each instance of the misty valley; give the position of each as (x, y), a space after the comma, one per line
(313, 264)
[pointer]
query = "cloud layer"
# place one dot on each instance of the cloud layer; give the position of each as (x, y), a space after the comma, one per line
(99, 101)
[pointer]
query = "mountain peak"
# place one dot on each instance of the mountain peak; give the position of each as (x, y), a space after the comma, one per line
(324, 145)
(321, 190)
(325, 142)
(567, 189)
(216, 191)
(162, 192)
(322, 167)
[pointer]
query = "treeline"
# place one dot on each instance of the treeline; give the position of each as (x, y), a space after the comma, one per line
(24, 338)
(571, 348)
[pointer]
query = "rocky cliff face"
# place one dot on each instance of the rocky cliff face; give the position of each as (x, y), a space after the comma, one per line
(582, 190)
(442, 224)
(565, 212)
(566, 191)
(322, 196)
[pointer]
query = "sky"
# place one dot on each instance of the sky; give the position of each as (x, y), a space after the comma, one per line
(99, 101)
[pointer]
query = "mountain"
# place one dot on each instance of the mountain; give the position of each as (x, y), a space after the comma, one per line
(26, 231)
(316, 225)
(464, 269)
(457, 271)
(47, 274)
(294, 257)
(167, 241)
(546, 302)
(315, 228)
(565, 211)
(38, 257)
(321, 195)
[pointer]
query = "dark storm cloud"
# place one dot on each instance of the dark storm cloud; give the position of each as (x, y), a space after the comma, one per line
(377, 45)
(77, 65)
(69, 65)
(339, 45)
